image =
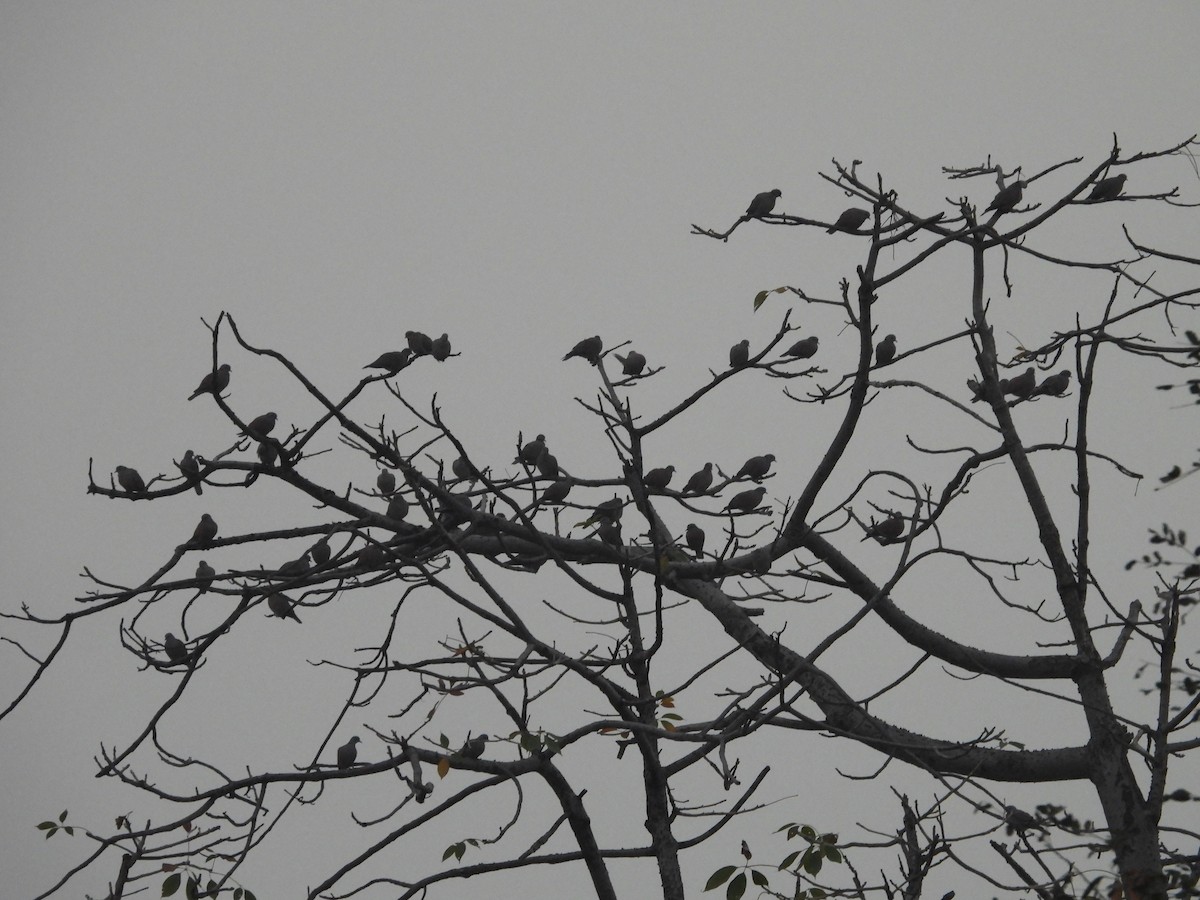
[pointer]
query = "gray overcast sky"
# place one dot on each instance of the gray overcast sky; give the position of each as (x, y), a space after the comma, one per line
(519, 175)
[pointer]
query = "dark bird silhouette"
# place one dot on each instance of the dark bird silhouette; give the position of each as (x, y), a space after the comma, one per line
(320, 551)
(694, 535)
(885, 530)
(463, 470)
(588, 348)
(851, 220)
(267, 453)
(205, 575)
(886, 351)
(130, 481)
(763, 203)
(190, 467)
(531, 451)
(756, 467)
(739, 354)
(1022, 386)
(547, 465)
(419, 343)
(557, 492)
(700, 481)
(440, 348)
(348, 753)
(1107, 189)
(205, 531)
(397, 507)
(804, 349)
(282, 606)
(385, 481)
(213, 382)
(658, 479)
(1054, 385)
(746, 500)
(976, 389)
(1018, 821)
(473, 748)
(295, 568)
(176, 649)
(261, 426)
(632, 363)
(1007, 198)
(609, 531)
(392, 361)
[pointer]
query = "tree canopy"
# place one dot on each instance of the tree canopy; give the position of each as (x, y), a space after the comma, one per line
(538, 661)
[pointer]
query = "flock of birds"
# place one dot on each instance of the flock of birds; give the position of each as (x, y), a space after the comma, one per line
(535, 456)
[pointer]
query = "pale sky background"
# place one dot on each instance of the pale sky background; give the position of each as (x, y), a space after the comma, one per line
(520, 176)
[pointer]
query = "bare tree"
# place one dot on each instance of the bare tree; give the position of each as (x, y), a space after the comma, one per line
(437, 531)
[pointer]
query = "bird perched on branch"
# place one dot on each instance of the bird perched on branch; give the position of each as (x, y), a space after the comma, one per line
(176, 649)
(1018, 821)
(463, 470)
(385, 481)
(1022, 386)
(267, 453)
(320, 551)
(296, 567)
(1007, 198)
(258, 428)
(851, 220)
(632, 363)
(419, 343)
(474, 746)
(392, 361)
(531, 451)
(440, 349)
(348, 753)
(888, 529)
(205, 531)
(588, 348)
(213, 382)
(805, 348)
(204, 576)
(658, 479)
(190, 467)
(756, 467)
(397, 507)
(746, 500)
(739, 354)
(694, 535)
(282, 606)
(700, 481)
(886, 351)
(1107, 189)
(763, 203)
(556, 492)
(1054, 385)
(547, 465)
(129, 480)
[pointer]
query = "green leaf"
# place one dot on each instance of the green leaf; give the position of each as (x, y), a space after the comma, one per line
(789, 859)
(249, 895)
(812, 862)
(759, 299)
(237, 894)
(53, 831)
(45, 826)
(192, 889)
(808, 833)
(63, 816)
(450, 851)
(758, 878)
(70, 830)
(171, 884)
(833, 854)
(736, 888)
(817, 894)
(530, 743)
(719, 877)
